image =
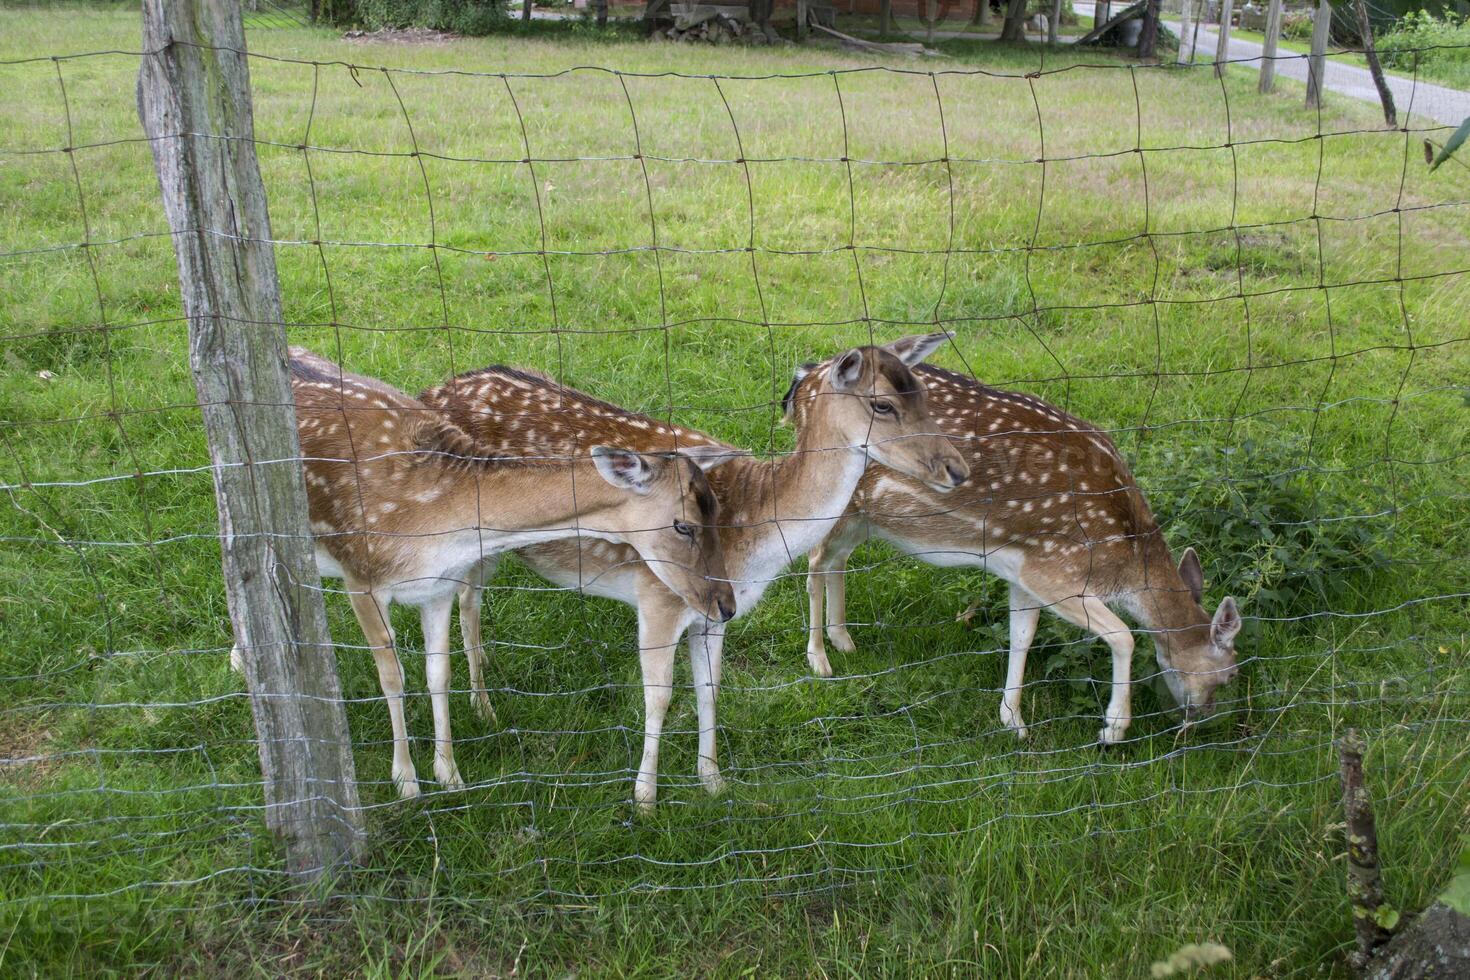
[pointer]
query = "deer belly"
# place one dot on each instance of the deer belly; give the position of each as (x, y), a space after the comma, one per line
(1004, 562)
(326, 565)
(595, 579)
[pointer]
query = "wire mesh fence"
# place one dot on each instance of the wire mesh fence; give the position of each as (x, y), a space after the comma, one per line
(1261, 307)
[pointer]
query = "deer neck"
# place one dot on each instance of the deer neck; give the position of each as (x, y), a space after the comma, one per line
(1163, 604)
(776, 510)
(514, 505)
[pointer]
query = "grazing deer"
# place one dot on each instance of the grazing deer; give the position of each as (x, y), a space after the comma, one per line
(862, 405)
(404, 506)
(1051, 508)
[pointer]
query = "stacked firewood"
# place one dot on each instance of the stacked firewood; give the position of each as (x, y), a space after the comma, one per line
(713, 27)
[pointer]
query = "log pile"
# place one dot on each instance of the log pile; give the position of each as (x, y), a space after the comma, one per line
(714, 26)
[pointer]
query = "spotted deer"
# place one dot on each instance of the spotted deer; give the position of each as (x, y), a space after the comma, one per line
(861, 406)
(1052, 509)
(404, 505)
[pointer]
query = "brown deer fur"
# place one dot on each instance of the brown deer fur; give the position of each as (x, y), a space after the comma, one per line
(864, 405)
(404, 507)
(1051, 508)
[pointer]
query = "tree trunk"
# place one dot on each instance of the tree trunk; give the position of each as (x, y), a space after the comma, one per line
(1148, 38)
(1054, 29)
(526, 11)
(1365, 28)
(981, 16)
(885, 18)
(1014, 28)
(601, 8)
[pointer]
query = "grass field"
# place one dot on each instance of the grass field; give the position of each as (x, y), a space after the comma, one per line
(1283, 357)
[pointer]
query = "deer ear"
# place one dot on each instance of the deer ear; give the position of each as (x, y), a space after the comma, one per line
(912, 350)
(846, 370)
(707, 457)
(1192, 574)
(623, 468)
(1225, 624)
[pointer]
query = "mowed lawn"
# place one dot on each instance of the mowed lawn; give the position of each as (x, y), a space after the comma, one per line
(1271, 321)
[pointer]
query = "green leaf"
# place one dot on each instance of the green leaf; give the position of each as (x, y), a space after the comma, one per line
(1387, 916)
(1457, 895)
(1451, 145)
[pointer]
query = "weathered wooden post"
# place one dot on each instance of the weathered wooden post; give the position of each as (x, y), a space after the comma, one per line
(1222, 44)
(1268, 50)
(1317, 61)
(194, 101)
(1186, 46)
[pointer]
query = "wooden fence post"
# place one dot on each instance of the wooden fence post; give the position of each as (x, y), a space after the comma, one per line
(194, 101)
(1222, 44)
(1268, 50)
(1186, 47)
(1317, 61)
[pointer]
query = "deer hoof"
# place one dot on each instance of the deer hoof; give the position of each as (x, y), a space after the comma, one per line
(714, 783)
(821, 666)
(480, 702)
(407, 783)
(841, 639)
(1112, 733)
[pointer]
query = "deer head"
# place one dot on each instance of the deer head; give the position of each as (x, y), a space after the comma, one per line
(868, 400)
(685, 552)
(1198, 659)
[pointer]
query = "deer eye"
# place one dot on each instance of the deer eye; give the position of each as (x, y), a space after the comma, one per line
(882, 408)
(685, 529)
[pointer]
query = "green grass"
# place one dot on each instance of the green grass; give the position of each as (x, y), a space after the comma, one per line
(1309, 441)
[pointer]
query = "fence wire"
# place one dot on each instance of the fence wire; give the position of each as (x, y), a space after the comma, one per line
(1264, 315)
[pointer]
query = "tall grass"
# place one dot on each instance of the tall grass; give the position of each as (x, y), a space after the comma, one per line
(1308, 439)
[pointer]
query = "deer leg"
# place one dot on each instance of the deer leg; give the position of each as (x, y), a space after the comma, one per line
(1090, 613)
(706, 653)
(827, 570)
(658, 634)
(372, 616)
(470, 600)
(435, 618)
(1025, 612)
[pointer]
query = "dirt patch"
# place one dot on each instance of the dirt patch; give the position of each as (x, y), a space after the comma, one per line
(401, 35)
(24, 762)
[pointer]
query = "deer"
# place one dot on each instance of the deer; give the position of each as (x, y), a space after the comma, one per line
(1052, 509)
(404, 506)
(864, 407)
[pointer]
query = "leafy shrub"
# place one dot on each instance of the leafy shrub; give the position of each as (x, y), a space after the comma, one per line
(1296, 25)
(459, 16)
(1439, 46)
(1284, 538)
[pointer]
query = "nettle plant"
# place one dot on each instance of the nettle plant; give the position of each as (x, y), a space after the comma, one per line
(1282, 531)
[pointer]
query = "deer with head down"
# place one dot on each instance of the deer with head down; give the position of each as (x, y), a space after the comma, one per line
(404, 506)
(1051, 508)
(863, 406)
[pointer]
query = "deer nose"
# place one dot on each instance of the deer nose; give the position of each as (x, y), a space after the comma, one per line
(957, 472)
(726, 609)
